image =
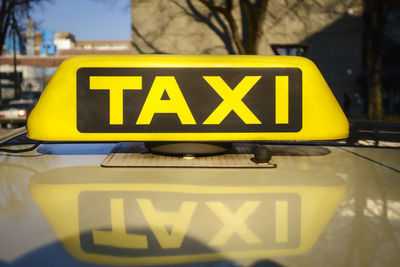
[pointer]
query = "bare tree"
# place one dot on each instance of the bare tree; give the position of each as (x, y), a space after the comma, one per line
(238, 24)
(241, 26)
(17, 10)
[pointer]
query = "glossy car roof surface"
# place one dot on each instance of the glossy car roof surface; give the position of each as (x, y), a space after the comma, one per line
(321, 205)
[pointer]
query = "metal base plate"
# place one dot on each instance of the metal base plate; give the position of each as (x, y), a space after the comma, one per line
(131, 154)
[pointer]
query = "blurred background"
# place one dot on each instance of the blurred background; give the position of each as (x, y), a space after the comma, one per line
(354, 43)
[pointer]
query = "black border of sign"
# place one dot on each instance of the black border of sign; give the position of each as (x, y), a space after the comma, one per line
(295, 106)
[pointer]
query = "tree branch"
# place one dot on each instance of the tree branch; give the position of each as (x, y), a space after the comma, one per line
(233, 27)
(227, 35)
(227, 13)
(213, 7)
(224, 36)
(149, 44)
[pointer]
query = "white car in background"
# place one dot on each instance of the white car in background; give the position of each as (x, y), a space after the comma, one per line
(14, 113)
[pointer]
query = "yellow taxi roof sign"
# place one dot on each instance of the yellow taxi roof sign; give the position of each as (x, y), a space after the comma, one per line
(187, 98)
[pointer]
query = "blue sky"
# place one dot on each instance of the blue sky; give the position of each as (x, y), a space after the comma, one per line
(86, 19)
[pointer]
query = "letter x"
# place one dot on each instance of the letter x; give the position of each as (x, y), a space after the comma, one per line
(232, 99)
(233, 223)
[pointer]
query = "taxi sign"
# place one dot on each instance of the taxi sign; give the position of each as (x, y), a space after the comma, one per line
(187, 98)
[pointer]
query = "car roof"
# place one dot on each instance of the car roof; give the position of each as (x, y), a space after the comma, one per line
(318, 206)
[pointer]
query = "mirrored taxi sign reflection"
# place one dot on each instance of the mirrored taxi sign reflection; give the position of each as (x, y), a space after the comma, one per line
(123, 221)
(187, 98)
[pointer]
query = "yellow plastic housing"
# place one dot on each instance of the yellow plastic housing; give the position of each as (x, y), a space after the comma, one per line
(55, 116)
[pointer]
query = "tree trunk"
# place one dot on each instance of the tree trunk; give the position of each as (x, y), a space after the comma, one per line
(374, 19)
(253, 17)
(5, 19)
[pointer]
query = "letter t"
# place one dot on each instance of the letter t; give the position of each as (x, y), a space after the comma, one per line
(116, 85)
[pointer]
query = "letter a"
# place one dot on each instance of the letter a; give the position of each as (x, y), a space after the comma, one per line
(159, 219)
(175, 104)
